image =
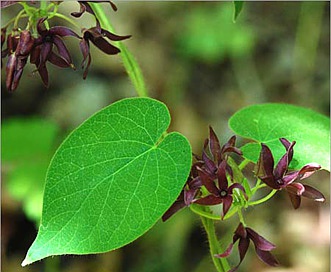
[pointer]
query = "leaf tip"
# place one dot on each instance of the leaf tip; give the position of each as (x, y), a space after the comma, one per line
(26, 261)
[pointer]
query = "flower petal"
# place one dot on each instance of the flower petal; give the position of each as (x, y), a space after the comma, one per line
(208, 200)
(209, 164)
(226, 253)
(208, 182)
(227, 202)
(295, 188)
(175, 207)
(266, 162)
(62, 31)
(308, 169)
(259, 242)
(62, 50)
(295, 200)
(312, 193)
(289, 178)
(221, 176)
(266, 257)
(214, 145)
(114, 37)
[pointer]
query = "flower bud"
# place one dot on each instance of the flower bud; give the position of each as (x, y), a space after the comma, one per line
(25, 43)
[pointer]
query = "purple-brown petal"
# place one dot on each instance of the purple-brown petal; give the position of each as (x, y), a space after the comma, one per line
(271, 182)
(259, 241)
(46, 49)
(243, 247)
(266, 162)
(226, 253)
(289, 178)
(295, 188)
(10, 70)
(227, 202)
(62, 31)
(208, 182)
(79, 13)
(288, 146)
(104, 46)
(58, 61)
(221, 176)
(209, 200)
(295, 200)
(266, 257)
(214, 145)
(42, 70)
(281, 167)
(178, 205)
(308, 170)
(312, 193)
(114, 37)
(209, 164)
(25, 43)
(62, 50)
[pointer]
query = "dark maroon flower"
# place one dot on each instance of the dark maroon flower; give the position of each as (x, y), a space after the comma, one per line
(96, 36)
(187, 195)
(17, 59)
(279, 178)
(262, 246)
(218, 154)
(43, 50)
(220, 193)
(85, 7)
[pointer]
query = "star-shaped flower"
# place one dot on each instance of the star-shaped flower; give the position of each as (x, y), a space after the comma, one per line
(262, 246)
(279, 178)
(220, 193)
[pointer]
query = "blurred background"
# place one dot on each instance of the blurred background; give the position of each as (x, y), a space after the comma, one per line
(204, 67)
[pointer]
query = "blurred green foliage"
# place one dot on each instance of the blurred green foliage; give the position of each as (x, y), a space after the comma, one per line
(27, 146)
(210, 35)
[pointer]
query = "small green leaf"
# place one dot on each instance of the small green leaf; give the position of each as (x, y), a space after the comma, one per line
(111, 180)
(238, 5)
(266, 123)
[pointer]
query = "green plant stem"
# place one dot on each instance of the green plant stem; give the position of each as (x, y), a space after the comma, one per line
(264, 199)
(130, 64)
(221, 264)
(243, 164)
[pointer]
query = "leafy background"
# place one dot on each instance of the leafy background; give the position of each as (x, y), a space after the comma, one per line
(204, 68)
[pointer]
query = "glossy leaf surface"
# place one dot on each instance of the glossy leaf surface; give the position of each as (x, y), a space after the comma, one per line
(266, 123)
(111, 180)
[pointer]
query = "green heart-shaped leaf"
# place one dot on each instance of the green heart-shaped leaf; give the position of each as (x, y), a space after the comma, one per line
(111, 180)
(266, 123)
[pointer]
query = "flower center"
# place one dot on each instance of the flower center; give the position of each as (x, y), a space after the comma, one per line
(223, 193)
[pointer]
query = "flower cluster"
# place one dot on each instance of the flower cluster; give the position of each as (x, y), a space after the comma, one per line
(212, 173)
(212, 182)
(42, 44)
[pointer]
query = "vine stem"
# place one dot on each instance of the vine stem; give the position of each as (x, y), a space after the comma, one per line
(130, 64)
(264, 199)
(221, 264)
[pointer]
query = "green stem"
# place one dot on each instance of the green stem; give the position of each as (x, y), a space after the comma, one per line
(130, 64)
(243, 164)
(198, 210)
(221, 264)
(264, 199)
